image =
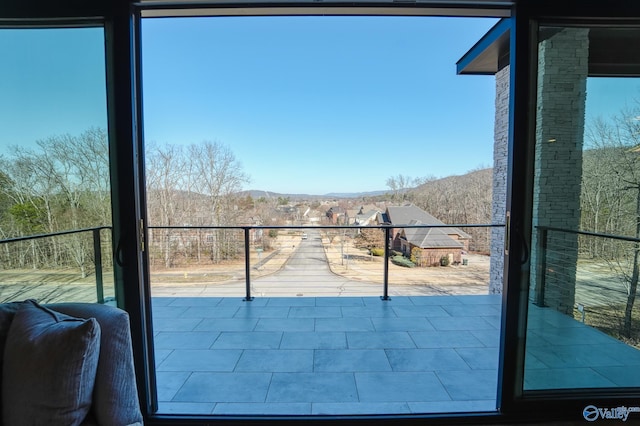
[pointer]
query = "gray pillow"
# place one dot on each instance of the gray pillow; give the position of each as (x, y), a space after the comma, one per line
(49, 367)
(115, 396)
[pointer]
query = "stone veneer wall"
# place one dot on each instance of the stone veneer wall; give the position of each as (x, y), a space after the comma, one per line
(562, 76)
(499, 194)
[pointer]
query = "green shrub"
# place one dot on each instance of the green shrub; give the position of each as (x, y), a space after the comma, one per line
(273, 233)
(377, 251)
(444, 261)
(402, 261)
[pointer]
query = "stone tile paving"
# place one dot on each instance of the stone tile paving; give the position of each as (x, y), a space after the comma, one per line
(363, 355)
(324, 355)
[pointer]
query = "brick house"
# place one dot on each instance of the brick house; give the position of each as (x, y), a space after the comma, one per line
(433, 243)
(426, 246)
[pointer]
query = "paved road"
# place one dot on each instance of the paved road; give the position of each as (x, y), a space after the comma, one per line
(598, 287)
(307, 273)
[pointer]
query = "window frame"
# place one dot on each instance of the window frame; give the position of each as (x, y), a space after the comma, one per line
(515, 402)
(124, 105)
(227, 9)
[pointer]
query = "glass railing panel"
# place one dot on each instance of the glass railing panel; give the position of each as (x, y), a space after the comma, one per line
(308, 261)
(198, 261)
(65, 267)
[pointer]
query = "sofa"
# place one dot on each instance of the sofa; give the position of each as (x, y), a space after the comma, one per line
(66, 364)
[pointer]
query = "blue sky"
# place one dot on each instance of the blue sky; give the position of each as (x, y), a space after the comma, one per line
(321, 104)
(52, 82)
(307, 105)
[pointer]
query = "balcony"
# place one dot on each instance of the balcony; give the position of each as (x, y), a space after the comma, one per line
(315, 327)
(325, 329)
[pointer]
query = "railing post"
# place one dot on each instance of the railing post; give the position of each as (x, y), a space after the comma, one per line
(247, 266)
(541, 273)
(97, 259)
(385, 295)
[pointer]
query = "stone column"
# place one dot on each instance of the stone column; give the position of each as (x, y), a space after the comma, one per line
(499, 193)
(562, 76)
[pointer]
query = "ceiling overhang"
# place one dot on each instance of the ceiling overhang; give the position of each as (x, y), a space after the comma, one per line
(613, 52)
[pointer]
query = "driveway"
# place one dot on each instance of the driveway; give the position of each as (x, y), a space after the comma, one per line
(307, 273)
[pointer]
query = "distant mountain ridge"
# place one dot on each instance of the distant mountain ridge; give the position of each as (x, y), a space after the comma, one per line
(452, 181)
(256, 193)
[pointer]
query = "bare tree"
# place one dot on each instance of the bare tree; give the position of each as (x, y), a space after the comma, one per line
(62, 184)
(165, 177)
(618, 145)
(399, 185)
(219, 175)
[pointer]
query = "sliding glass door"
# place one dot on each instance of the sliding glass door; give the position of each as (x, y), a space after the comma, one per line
(583, 325)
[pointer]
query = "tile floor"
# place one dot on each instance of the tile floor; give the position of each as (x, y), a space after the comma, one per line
(563, 353)
(326, 355)
(362, 355)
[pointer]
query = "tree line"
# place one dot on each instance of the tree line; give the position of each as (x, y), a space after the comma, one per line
(63, 183)
(610, 198)
(60, 184)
